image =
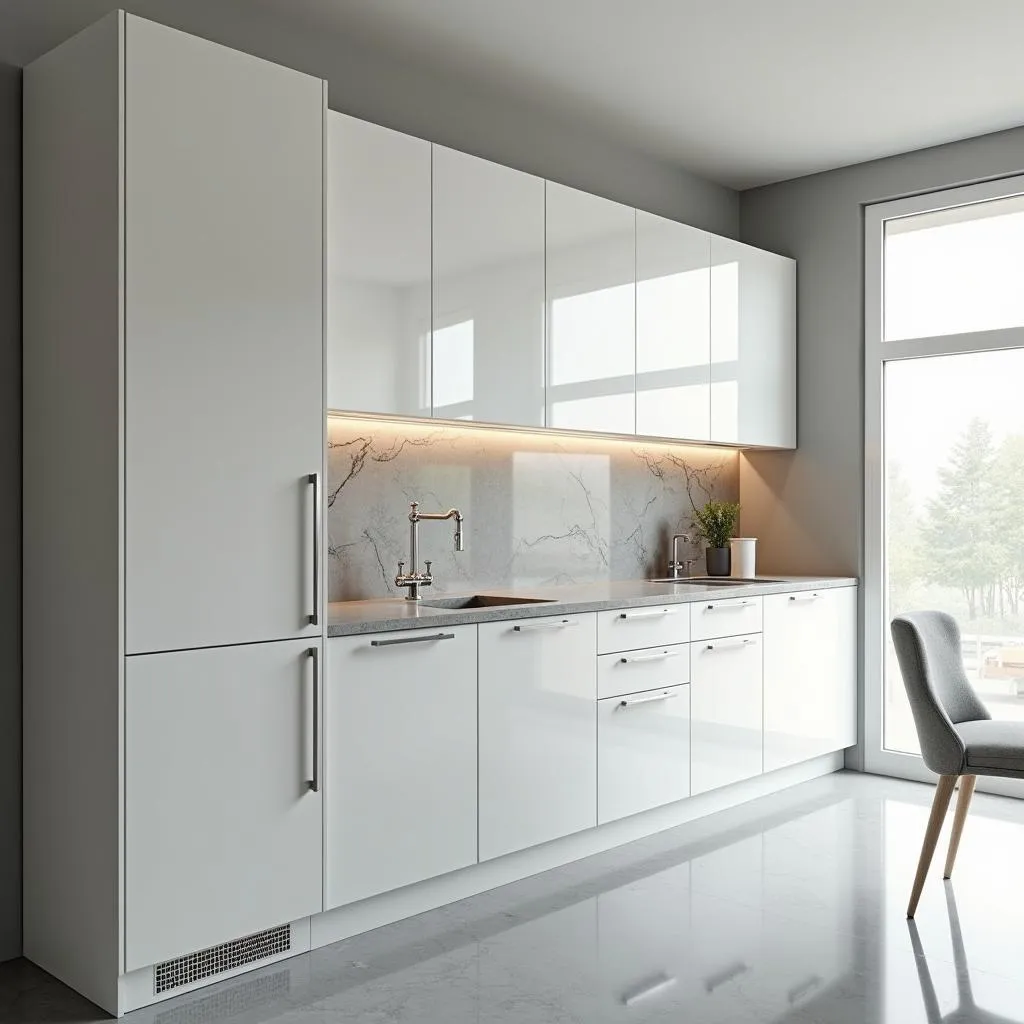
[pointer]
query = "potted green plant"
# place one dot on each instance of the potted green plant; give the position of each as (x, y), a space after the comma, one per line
(716, 523)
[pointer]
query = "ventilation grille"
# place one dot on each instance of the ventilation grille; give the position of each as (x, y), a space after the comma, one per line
(186, 970)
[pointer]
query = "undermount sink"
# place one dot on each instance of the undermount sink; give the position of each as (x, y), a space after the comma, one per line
(481, 601)
(712, 581)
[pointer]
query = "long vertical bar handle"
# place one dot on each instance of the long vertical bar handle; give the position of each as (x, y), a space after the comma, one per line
(314, 782)
(318, 529)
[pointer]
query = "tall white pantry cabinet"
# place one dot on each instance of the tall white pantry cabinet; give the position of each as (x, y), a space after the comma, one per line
(174, 420)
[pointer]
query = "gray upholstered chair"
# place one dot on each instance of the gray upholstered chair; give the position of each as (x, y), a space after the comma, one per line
(959, 740)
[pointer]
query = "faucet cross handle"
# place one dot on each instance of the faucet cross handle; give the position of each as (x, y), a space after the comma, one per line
(401, 567)
(428, 563)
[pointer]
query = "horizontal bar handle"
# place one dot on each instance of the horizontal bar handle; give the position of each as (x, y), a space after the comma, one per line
(733, 645)
(733, 604)
(649, 989)
(804, 597)
(429, 638)
(667, 695)
(659, 656)
(656, 613)
(530, 627)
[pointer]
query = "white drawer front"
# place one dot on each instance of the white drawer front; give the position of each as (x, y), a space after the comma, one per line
(643, 751)
(631, 629)
(729, 617)
(633, 671)
(726, 703)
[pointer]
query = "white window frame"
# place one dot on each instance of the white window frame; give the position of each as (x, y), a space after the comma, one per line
(877, 352)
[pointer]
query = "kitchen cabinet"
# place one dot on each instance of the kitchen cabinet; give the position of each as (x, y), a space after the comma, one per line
(673, 329)
(731, 616)
(810, 674)
(223, 831)
(488, 291)
(538, 731)
(619, 674)
(591, 312)
(223, 343)
(725, 711)
(630, 629)
(753, 346)
(643, 751)
(400, 741)
(378, 269)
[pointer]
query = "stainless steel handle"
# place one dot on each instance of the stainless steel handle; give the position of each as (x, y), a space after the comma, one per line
(731, 646)
(530, 627)
(732, 604)
(648, 989)
(314, 782)
(657, 613)
(318, 529)
(667, 695)
(660, 656)
(804, 597)
(426, 639)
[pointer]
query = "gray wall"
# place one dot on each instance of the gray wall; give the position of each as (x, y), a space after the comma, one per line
(806, 507)
(10, 512)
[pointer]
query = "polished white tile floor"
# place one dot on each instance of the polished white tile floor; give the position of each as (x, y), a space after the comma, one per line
(787, 909)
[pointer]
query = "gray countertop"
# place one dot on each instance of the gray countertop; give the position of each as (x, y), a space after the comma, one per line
(347, 618)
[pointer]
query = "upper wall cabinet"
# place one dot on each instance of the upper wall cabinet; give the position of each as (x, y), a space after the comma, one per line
(488, 280)
(378, 352)
(673, 329)
(591, 279)
(753, 346)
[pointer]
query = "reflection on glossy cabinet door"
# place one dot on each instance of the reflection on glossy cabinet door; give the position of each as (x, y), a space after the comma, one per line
(673, 329)
(753, 345)
(591, 285)
(488, 279)
(810, 674)
(378, 301)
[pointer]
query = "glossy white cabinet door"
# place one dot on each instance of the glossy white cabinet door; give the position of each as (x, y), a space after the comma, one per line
(643, 751)
(631, 629)
(400, 759)
(223, 834)
(538, 731)
(488, 340)
(591, 310)
(753, 345)
(223, 360)
(378, 267)
(810, 674)
(673, 329)
(725, 711)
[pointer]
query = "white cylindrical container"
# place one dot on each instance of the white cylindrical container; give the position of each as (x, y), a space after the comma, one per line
(743, 552)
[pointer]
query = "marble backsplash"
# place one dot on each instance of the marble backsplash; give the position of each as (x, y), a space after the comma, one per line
(538, 509)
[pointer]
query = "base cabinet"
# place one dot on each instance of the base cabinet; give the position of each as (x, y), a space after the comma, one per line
(223, 833)
(643, 745)
(400, 736)
(538, 734)
(810, 675)
(725, 709)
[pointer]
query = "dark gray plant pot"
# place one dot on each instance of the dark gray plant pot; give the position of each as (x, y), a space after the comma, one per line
(719, 561)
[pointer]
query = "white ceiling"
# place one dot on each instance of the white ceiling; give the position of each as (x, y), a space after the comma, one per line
(741, 91)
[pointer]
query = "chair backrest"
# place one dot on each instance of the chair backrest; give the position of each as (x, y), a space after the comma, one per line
(940, 694)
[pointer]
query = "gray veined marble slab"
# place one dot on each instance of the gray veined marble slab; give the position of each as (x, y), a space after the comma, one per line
(540, 510)
(347, 618)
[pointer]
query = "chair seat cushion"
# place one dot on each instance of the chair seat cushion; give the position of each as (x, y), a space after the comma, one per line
(994, 746)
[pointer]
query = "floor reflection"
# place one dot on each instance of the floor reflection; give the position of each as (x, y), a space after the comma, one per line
(790, 909)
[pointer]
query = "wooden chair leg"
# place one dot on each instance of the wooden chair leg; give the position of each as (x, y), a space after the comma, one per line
(963, 803)
(943, 794)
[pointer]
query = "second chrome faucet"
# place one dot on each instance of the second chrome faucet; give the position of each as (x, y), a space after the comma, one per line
(414, 579)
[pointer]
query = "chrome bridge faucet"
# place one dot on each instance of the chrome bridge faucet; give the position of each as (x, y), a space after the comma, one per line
(416, 579)
(679, 569)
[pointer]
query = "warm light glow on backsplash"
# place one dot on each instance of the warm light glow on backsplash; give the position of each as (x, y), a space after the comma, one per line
(540, 507)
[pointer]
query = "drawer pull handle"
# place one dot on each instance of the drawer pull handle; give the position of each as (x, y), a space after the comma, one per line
(659, 656)
(656, 613)
(804, 597)
(648, 989)
(533, 626)
(735, 645)
(649, 699)
(726, 607)
(429, 638)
